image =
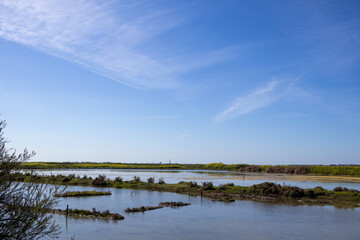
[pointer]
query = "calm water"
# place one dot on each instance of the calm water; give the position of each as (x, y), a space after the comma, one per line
(205, 219)
(217, 177)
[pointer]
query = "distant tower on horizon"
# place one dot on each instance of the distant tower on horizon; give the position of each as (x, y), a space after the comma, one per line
(170, 161)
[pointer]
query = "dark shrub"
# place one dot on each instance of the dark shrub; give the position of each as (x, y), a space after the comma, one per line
(118, 179)
(301, 170)
(66, 179)
(161, 181)
(268, 188)
(151, 180)
(136, 179)
(253, 168)
(71, 176)
(319, 191)
(295, 192)
(275, 169)
(310, 193)
(289, 170)
(338, 189)
(99, 181)
(193, 184)
(224, 186)
(208, 185)
(344, 189)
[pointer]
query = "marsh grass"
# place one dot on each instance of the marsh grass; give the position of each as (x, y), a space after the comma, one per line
(82, 194)
(259, 192)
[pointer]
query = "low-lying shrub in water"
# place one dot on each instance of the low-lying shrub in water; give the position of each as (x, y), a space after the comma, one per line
(88, 214)
(151, 180)
(193, 184)
(99, 181)
(208, 185)
(344, 189)
(118, 179)
(82, 194)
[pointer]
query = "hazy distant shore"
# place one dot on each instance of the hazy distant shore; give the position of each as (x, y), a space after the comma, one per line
(350, 170)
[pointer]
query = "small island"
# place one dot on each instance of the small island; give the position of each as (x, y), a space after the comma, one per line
(161, 205)
(81, 213)
(82, 194)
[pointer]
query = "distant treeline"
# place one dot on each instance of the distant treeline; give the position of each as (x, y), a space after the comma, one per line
(291, 169)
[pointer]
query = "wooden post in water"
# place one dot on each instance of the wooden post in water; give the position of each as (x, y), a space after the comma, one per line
(201, 192)
(67, 209)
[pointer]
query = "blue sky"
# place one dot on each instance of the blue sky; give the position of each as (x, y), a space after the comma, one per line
(259, 82)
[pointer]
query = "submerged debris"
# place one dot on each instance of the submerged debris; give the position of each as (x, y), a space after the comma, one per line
(161, 205)
(142, 209)
(222, 199)
(173, 204)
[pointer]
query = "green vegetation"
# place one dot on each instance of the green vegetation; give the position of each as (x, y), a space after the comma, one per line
(23, 207)
(290, 169)
(82, 194)
(335, 170)
(174, 204)
(142, 209)
(161, 205)
(341, 197)
(106, 215)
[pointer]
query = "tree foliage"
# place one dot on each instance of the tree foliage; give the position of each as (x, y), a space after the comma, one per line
(23, 206)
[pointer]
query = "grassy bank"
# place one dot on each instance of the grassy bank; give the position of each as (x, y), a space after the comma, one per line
(290, 169)
(82, 194)
(265, 192)
(161, 205)
(80, 213)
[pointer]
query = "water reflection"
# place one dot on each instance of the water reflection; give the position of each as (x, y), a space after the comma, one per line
(205, 219)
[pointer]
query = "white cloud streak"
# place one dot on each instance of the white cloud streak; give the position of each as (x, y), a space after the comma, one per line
(105, 37)
(257, 99)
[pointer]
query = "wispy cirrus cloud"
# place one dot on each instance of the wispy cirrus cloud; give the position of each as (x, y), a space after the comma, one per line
(105, 37)
(262, 97)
